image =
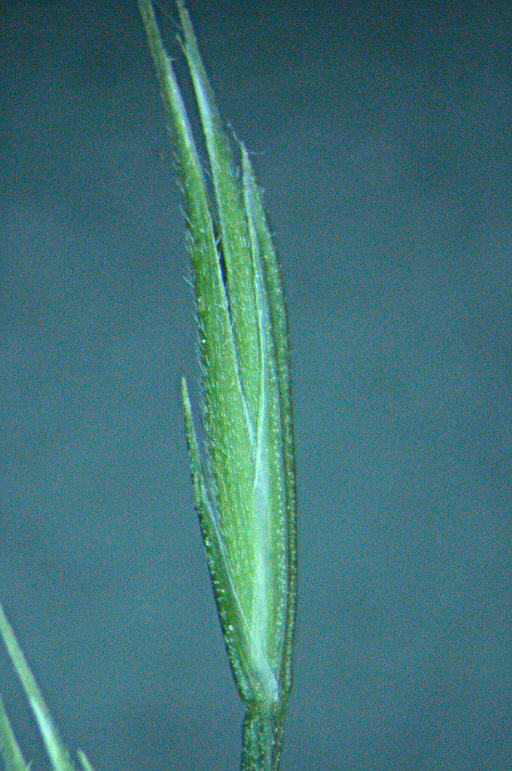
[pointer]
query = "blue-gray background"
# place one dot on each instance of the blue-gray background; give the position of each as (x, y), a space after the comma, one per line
(382, 136)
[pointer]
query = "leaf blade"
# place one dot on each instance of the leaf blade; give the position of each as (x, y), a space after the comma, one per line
(57, 751)
(9, 747)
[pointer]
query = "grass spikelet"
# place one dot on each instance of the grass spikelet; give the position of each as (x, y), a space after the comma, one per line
(246, 501)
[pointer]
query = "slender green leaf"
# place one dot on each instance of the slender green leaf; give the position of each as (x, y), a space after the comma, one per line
(84, 760)
(57, 752)
(9, 747)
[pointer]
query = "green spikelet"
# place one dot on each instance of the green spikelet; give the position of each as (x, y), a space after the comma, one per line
(246, 498)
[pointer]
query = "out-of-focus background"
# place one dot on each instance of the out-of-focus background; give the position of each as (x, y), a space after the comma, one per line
(382, 136)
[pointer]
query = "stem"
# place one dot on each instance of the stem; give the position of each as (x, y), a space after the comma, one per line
(262, 738)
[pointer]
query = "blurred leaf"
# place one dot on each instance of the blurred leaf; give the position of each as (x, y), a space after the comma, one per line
(9, 748)
(57, 752)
